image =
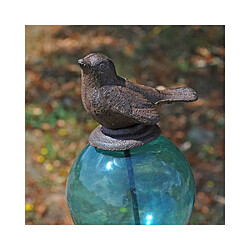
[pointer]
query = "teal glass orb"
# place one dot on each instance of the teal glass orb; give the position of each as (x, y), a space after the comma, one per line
(148, 185)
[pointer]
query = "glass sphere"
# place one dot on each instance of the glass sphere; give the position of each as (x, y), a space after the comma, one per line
(148, 185)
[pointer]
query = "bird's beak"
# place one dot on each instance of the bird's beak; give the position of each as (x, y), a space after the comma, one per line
(81, 61)
(84, 66)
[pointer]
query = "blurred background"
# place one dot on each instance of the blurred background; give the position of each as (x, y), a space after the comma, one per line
(57, 126)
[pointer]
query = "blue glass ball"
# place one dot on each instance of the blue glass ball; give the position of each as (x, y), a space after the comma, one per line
(149, 185)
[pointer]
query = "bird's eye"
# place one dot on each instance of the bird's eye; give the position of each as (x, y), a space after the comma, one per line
(102, 67)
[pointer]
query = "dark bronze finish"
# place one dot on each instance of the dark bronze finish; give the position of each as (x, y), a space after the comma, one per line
(123, 139)
(120, 105)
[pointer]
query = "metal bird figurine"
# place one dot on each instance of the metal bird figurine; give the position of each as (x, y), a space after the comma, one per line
(116, 102)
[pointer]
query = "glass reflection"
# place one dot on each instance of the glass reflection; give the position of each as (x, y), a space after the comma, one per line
(149, 219)
(109, 166)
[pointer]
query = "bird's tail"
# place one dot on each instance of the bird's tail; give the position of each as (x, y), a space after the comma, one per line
(182, 94)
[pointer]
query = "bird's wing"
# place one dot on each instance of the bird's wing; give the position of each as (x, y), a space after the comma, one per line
(169, 95)
(130, 104)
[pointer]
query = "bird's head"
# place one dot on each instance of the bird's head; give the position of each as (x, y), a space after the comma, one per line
(98, 67)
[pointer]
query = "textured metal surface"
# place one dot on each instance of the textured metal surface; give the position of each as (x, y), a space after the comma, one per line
(118, 103)
(123, 139)
(127, 111)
